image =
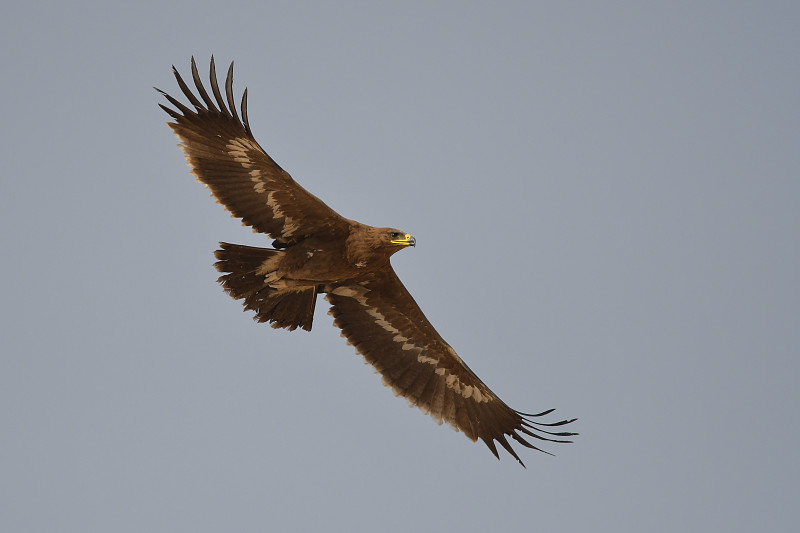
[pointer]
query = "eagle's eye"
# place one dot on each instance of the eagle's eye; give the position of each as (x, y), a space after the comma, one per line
(395, 235)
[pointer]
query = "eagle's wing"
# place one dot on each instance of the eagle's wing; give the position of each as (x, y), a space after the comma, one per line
(225, 156)
(379, 317)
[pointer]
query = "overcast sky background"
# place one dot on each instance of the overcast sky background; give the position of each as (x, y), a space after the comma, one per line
(606, 200)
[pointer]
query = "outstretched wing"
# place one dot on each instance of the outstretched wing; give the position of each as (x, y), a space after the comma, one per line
(379, 317)
(225, 156)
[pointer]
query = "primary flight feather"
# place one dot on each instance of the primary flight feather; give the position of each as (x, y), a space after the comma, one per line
(317, 251)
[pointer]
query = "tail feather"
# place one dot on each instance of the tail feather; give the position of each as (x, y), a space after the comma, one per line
(246, 270)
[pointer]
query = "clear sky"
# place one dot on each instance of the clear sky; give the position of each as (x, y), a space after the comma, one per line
(605, 198)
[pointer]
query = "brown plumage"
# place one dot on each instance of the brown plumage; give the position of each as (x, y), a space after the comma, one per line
(318, 251)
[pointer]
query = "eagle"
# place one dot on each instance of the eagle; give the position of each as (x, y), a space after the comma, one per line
(317, 251)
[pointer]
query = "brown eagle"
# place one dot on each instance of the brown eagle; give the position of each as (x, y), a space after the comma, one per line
(316, 250)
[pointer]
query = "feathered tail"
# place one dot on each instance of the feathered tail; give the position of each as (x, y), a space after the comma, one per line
(248, 271)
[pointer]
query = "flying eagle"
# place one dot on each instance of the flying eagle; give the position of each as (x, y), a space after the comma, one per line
(315, 250)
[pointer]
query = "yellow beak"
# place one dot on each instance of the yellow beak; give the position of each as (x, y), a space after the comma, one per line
(406, 240)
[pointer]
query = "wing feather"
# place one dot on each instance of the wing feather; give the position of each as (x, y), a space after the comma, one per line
(224, 155)
(382, 321)
(229, 92)
(215, 89)
(200, 88)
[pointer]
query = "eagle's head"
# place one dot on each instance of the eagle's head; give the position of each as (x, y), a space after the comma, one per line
(368, 246)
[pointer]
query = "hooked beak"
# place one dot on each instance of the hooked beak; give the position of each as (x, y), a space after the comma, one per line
(406, 240)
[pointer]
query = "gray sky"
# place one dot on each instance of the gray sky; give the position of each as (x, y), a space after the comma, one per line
(605, 199)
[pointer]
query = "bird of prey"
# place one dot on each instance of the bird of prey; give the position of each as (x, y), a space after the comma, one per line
(317, 251)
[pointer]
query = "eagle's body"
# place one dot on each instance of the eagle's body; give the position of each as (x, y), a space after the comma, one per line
(316, 250)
